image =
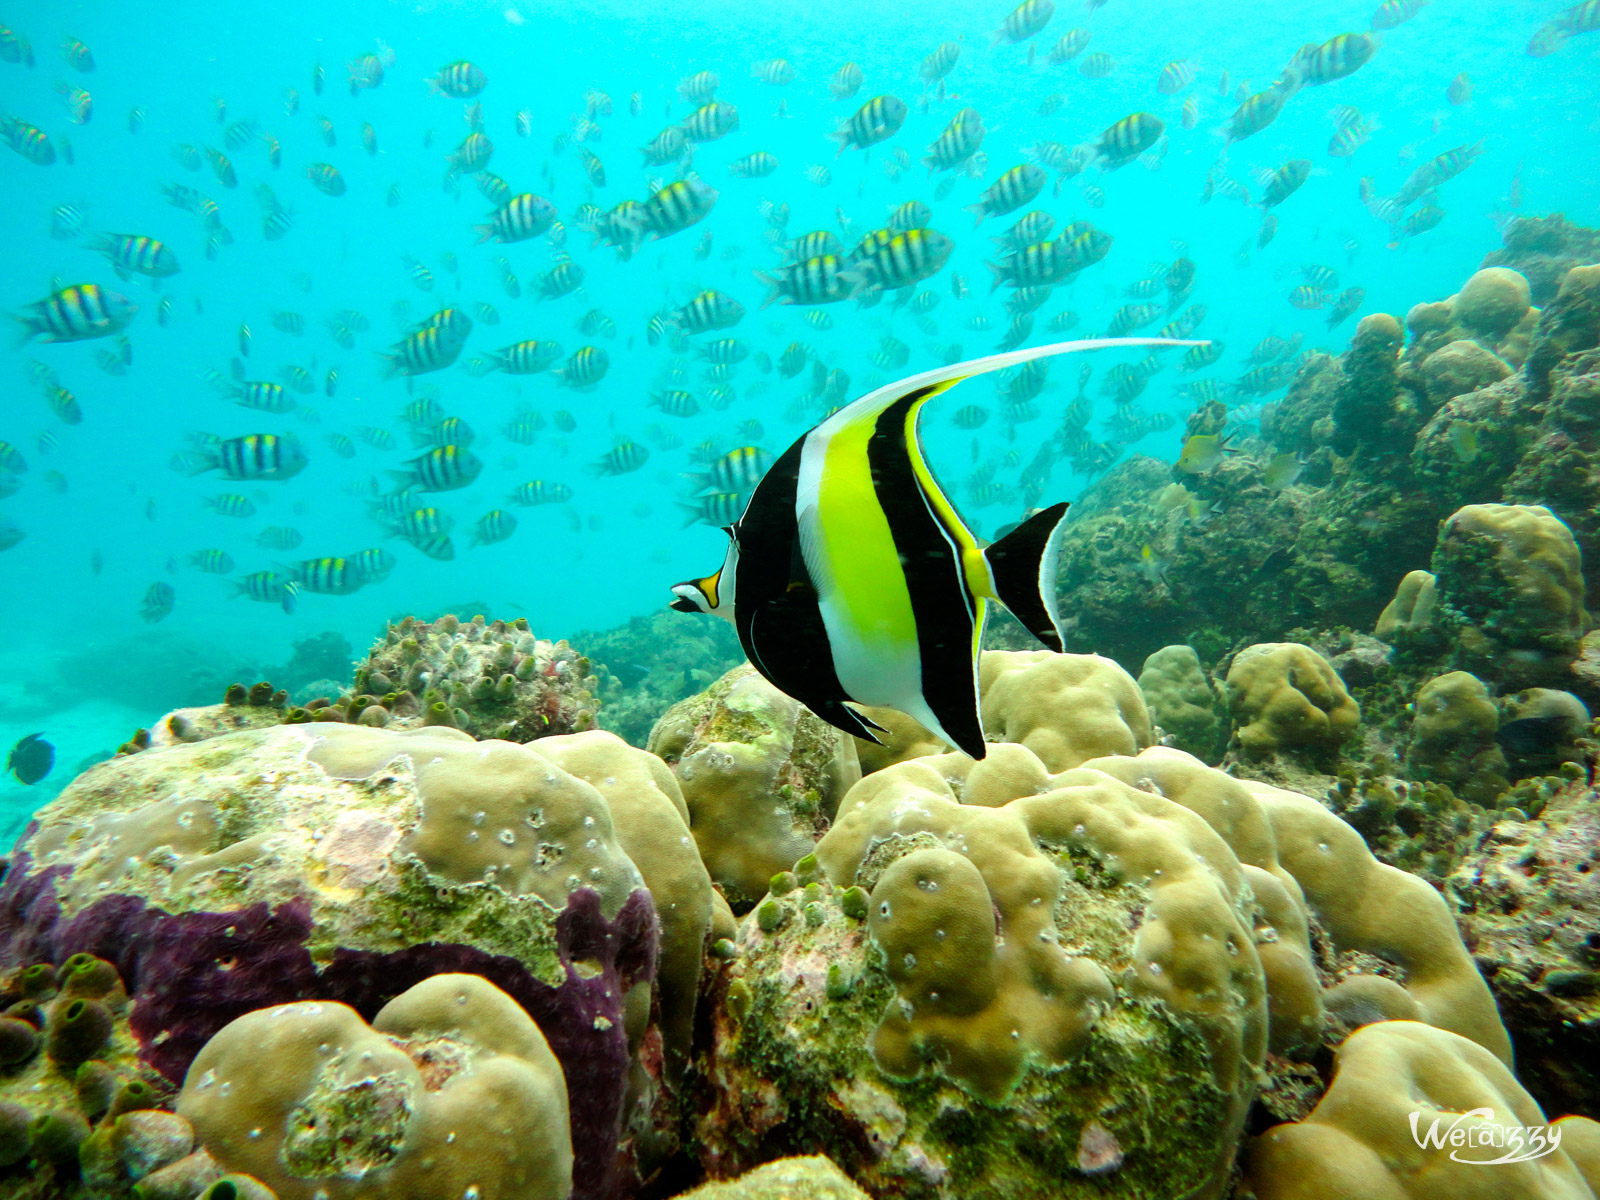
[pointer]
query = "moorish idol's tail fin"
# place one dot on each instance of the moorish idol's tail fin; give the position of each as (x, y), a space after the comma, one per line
(1023, 564)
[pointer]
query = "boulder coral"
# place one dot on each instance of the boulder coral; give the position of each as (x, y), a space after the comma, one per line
(1391, 438)
(1184, 703)
(1511, 591)
(761, 776)
(1453, 738)
(1286, 699)
(977, 938)
(344, 863)
(981, 962)
(452, 1091)
(1398, 1087)
(1488, 321)
(1064, 707)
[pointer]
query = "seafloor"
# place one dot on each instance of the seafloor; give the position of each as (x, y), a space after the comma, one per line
(1280, 884)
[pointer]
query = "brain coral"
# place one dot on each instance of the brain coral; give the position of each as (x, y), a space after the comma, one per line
(452, 1091)
(342, 862)
(1399, 1083)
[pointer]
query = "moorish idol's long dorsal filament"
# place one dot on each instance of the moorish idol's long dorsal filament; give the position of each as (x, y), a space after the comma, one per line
(851, 578)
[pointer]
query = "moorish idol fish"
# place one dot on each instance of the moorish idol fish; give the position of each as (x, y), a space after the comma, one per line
(851, 578)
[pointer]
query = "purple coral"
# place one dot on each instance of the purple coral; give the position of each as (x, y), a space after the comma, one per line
(189, 974)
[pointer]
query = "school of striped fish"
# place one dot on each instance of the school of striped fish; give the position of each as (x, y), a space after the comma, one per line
(694, 268)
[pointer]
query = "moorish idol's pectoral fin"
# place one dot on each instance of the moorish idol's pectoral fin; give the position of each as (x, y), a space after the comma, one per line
(1023, 564)
(842, 716)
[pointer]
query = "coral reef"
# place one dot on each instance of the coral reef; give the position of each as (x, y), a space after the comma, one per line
(1542, 250)
(761, 776)
(1359, 1143)
(452, 1091)
(1184, 702)
(493, 680)
(1489, 396)
(340, 862)
(424, 930)
(1529, 897)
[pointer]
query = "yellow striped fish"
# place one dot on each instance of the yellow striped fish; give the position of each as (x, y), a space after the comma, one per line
(851, 578)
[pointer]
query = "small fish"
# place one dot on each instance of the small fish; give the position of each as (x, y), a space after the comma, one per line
(1202, 452)
(66, 222)
(1460, 89)
(1098, 65)
(77, 56)
(442, 469)
(624, 458)
(494, 526)
(1153, 568)
(846, 81)
(159, 600)
(460, 80)
(1463, 438)
(77, 313)
(1175, 76)
(31, 759)
(1282, 470)
(875, 121)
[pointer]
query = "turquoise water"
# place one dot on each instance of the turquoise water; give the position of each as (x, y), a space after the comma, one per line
(81, 664)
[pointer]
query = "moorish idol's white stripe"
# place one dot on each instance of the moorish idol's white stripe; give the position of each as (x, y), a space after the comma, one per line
(858, 582)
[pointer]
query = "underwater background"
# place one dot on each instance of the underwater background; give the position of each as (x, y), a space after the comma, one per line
(78, 643)
(378, 375)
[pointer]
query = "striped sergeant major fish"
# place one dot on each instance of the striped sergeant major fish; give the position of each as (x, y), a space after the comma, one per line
(328, 576)
(432, 347)
(876, 120)
(255, 456)
(518, 219)
(269, 587)
(131, 253)
(710, 122)
(460, 80)
(75, 314)
(442, 469)
(851, 578)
